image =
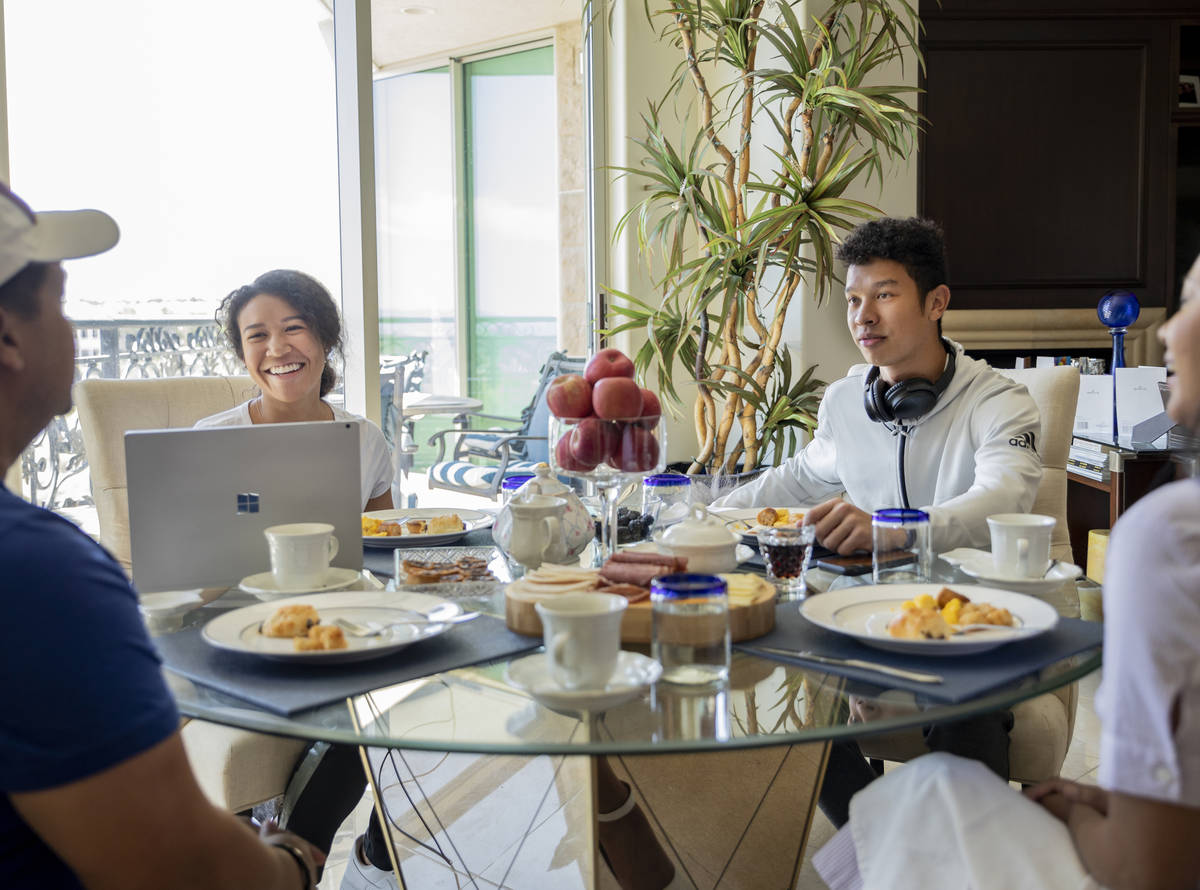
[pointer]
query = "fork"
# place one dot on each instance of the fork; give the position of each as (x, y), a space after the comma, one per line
(362, 630)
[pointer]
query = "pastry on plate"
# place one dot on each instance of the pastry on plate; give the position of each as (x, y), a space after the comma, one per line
(291, 621)
(441, 525)
(321, 637)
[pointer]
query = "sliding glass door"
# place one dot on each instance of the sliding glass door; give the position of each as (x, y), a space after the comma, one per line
(467, 181)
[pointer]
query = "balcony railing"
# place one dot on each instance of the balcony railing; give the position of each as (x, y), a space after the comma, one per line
(54, 466)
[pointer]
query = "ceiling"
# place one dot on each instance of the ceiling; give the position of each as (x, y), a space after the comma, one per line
(404, 31)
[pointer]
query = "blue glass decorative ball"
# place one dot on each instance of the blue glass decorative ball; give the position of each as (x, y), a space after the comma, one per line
(1118, 309)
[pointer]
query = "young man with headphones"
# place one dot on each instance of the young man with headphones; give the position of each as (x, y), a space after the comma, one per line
(920, 424)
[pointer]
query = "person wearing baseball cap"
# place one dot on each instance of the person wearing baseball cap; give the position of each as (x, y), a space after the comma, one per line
(97, 789)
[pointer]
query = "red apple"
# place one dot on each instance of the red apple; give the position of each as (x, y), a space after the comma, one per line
(608, 363)
(566, 460)
(638, 451)
(594, 441)
(569, 395)
(651, 408)
(617, 398)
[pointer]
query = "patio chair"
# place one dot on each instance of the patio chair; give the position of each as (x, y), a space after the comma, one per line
(400, 376)
(236, 768)
(476, 461)
(1042, 726)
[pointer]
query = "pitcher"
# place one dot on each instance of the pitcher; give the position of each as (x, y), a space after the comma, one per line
(578, 528)
(536, 535)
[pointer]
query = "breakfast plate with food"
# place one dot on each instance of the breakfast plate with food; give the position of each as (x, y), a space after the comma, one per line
(420, 527)
(306, 629)
(930, 619)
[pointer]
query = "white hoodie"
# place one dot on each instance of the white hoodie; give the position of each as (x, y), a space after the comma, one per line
(973, 455)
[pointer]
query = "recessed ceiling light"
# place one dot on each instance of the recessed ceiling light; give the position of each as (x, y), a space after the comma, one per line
(418, 10)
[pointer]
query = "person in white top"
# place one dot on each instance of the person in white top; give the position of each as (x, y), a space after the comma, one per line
(942, 822)
(920, 424)
(285, 328)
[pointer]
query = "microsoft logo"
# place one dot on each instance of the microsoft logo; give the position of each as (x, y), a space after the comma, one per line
(247, 502)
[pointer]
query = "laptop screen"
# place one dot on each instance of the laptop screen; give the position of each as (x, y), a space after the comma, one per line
(200, 499)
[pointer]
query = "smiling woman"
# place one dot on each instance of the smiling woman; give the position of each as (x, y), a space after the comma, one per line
(285, 328)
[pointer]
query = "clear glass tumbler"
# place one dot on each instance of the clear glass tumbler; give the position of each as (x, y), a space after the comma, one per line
(666, 497)
(900, 551)
(690, 636)
(787, 552)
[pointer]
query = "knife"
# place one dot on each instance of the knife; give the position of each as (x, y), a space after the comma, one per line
(914, 676)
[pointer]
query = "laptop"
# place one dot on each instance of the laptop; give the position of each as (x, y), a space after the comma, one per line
(199, 499)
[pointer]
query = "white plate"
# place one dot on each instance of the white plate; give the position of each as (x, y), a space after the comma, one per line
(635, 673)
(864, 612)
(263, 585)
(744, 521)
(238, 631)
(741, 552)
(978, 564)
(472, 520)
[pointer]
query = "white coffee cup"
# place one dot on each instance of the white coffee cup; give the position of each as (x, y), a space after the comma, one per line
(583, 637)
(300, 554)
(1021, 544)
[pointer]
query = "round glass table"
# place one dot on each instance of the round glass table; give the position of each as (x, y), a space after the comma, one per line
(748, 755)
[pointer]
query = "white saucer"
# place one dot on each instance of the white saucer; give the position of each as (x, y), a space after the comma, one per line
(634, 674)
(978, 564)
(263, 585)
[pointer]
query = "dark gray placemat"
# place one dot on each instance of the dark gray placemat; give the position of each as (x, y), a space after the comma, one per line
(966, 676)
(286, 688)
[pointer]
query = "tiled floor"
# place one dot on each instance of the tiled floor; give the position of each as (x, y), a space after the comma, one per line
(1081, 764)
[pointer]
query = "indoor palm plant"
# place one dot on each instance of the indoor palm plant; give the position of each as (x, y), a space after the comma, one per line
(731, 236)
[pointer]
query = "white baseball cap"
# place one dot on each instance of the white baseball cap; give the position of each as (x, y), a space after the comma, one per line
(28, 237)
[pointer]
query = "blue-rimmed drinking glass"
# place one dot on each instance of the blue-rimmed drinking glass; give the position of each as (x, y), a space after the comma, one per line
(900, 551)
(691, 628)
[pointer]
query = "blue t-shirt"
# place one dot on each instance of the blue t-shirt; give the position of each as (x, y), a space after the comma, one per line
(83, 686)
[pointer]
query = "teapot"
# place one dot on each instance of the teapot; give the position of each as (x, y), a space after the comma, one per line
(578, 529)
(704, 540)
(537, 530)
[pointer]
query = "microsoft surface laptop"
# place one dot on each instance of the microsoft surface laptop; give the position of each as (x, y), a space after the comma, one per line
(199, 499)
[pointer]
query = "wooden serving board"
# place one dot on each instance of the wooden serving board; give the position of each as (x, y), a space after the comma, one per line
(745, 622)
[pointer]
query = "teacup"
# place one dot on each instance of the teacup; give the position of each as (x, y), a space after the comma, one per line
(300, 554)
(583, 638)
(1021, 544)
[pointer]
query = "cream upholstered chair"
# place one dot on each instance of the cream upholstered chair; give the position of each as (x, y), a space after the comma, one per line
(236, 769)
(1042, 726)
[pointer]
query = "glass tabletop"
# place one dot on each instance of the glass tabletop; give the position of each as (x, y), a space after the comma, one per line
(477, 709)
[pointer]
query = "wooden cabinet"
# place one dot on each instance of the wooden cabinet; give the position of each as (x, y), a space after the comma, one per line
(1056, 155)
(1092, 504)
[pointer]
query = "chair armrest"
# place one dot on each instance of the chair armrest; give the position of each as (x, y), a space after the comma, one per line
(441, 437)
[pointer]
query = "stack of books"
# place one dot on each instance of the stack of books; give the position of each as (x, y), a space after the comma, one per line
(1088, 458)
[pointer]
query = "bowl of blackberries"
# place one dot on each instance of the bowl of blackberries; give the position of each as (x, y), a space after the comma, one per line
(631, 526)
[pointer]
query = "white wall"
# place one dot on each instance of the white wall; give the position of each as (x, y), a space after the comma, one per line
(638, 70)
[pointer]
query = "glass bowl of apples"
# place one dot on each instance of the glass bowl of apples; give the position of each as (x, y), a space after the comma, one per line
(606, 429)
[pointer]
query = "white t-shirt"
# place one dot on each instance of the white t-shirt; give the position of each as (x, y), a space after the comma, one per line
(375, 459)
(1152, 649)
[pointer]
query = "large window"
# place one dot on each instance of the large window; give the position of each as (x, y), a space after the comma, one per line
(467, 175)
(209, 133)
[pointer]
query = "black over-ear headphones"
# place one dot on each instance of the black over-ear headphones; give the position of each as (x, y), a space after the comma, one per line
(907, 399)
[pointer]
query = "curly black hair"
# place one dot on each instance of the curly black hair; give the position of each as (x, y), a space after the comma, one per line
(916, 244)
(304, 294)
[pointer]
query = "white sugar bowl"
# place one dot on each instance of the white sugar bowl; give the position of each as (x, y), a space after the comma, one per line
(704, 541)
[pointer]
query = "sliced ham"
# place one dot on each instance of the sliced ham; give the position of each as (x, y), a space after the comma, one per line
(674, 563)
(632, 573)
(631, 592)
